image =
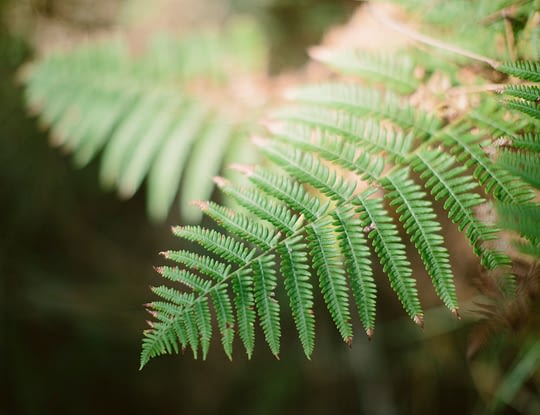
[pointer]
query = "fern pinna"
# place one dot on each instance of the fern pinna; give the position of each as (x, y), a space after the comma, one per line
(520, 154)
(344, 157)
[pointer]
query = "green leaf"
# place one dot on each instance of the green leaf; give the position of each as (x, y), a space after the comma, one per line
(391, 252)
(296, 273)
(326, 262)
(419, 221)
(265, 282)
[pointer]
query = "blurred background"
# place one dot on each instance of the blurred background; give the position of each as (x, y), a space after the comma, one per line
(76, 263)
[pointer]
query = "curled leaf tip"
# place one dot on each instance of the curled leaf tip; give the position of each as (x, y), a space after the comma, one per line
(150, 323)
(455, 312)
(159, 270)
(348, 341)
(164, 254)
(419, 320)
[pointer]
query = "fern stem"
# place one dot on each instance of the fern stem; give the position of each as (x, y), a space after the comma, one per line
(419, 37)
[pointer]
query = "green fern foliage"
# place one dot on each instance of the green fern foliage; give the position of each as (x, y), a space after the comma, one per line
(396, 72)
(520, 155)
(150, 116)
(527, 70)
(356, 172)
(419, 221)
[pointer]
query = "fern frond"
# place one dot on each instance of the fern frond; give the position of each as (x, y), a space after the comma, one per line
(148, 112)
(310, 218)
(523, 164)
(295, 270)
(523, 219)
(391, 252)
(326, 262)
(531, 249)
(333, 149)
(447, 181)
(265, 282)
(201, 263)
(240, 225)
(530, 142)
(192, 331)
(526, 92)
(532, 109)
(288, 191)
(173, 296)
(364, 132)
(493, 179)
(191, 315)
(162, 310)
(166, 172)
(364, 101)
(213, 147)
(354, 246)
(527, 70)
(226, 247)
(157, 342)
(175, 327)
(184, 277)
(273, 212)
(494, 122)
(309, 170)
(145, 116)
(242, 284)
(132, 161)
(394, 71)
(225, 318)
(418, 218)
(201, 314)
